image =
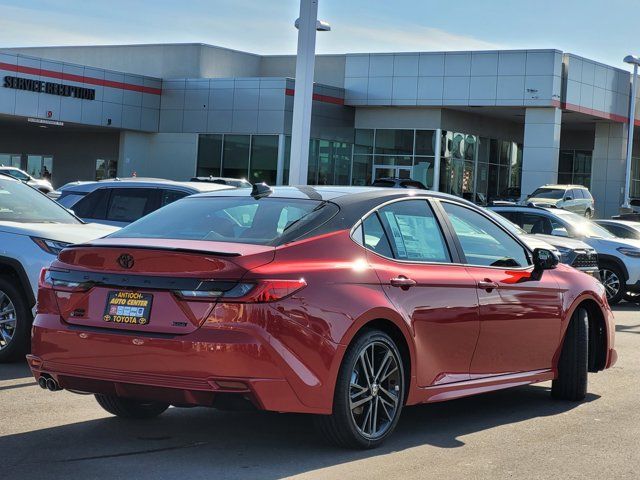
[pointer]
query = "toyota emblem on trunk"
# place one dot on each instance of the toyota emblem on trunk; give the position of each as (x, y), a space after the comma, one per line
(125, 261)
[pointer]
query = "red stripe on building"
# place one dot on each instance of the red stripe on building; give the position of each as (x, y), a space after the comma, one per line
(79, 78)
(318, 98)
(596, 113)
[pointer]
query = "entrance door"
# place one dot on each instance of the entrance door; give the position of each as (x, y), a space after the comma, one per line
(40, 166)
(386, 171)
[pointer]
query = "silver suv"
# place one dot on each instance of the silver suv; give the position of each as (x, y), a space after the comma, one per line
(574, 198)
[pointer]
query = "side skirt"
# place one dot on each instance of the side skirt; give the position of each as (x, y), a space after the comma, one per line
(441, 393)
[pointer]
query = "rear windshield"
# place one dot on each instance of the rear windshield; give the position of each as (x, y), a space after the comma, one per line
(264, 221)
(21, 203)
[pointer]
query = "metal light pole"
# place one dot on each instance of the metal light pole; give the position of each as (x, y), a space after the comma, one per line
(635, 61)
(307, 25)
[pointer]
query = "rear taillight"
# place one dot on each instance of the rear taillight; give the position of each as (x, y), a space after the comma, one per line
(260, 291)
(48, 281)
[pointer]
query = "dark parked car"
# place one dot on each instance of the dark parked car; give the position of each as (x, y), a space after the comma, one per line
(398, 183)
(232, 182)
(343, 302)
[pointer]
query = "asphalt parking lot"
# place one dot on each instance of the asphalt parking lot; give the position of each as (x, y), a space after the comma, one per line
(518, 433)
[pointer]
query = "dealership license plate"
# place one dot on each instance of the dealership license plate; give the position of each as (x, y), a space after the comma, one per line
(128, 308)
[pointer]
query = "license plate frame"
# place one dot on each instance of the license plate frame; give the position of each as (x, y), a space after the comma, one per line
(125, 307)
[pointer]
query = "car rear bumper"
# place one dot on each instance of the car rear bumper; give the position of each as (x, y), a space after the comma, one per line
(243, 363)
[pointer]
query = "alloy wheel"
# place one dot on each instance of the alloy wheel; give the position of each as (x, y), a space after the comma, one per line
(611, 282)
(375, 390)
(8, 319)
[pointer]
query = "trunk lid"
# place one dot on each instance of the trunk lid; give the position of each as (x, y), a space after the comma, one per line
(144, 275)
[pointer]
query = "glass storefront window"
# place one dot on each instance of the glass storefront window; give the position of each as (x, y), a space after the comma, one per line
(362, 170)
(10, 160)
(363, 142)
(106, 169)
(423, 170)
(425, 143)
(574, 167)
(342, 162)
(209, 155)
(264, 159)
(394, 142)
(236, 156)
(40, 166)
(394, 161)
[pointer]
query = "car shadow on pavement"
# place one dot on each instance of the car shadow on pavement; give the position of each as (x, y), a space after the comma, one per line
(14, 371)
(255, 444)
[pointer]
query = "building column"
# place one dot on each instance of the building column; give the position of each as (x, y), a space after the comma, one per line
(541, 148)
(608, 167)
(280, 161)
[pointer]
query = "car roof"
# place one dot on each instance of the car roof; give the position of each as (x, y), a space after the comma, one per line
(562, 186)
(195, 187)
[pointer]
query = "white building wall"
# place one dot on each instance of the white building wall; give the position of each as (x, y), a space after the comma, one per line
(608, 167)
(541, 148)
(160, 155)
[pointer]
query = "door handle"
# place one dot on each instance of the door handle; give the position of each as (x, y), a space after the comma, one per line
(487, 284)
(402, 282)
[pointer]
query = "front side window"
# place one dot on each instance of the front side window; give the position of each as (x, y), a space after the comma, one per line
(414, 232)
(483, 242)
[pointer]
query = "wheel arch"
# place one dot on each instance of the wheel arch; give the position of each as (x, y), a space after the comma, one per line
(12, 267)
(598, 332)
(391, 323)
(603, 258)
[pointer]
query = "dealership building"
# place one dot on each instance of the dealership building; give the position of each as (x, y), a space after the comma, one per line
(468, 123)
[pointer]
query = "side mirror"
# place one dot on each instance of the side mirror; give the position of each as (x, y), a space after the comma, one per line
(560, 232)
(568, 198)
(544, 259)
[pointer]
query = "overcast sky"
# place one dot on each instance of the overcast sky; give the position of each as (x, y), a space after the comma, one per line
(602, 30)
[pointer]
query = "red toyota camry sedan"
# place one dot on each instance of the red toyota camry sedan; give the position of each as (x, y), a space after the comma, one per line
(343, 302)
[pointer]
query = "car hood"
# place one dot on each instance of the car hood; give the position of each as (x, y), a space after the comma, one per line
(542, 201)
(61, 232)
(533, 242)
(611, 243)
(562, 242)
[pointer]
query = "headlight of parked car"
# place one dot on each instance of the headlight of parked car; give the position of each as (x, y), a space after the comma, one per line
(50, 246)
(566, 254)
(629, 251)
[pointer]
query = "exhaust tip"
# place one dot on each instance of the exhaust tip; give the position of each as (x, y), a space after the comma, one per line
(42, 383)
(52, 385)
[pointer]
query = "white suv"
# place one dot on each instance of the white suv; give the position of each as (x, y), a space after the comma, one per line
(618, 258)
(33, 229)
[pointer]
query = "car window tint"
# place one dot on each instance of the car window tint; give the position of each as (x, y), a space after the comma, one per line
(129, 204)
(170, 196)
(483, 242)
(94, 205)
(414, 232)
(374, 236)
(532, 223)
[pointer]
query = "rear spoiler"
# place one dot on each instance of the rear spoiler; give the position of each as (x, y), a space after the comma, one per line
(149, 247)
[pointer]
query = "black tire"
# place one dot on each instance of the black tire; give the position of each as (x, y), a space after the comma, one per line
(607, 272)
(129, 408)
(588, 213)
(341, 427)
(18, 345)
(573, 365)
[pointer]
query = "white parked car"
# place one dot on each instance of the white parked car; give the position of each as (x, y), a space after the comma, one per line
(33, 229)
(618, 258)
(120, 201)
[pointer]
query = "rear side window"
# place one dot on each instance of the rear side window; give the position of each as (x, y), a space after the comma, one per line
(129, 204)
(414, 232)
(264, 221)
(170, 196)
(94, 205)
(374, 237)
